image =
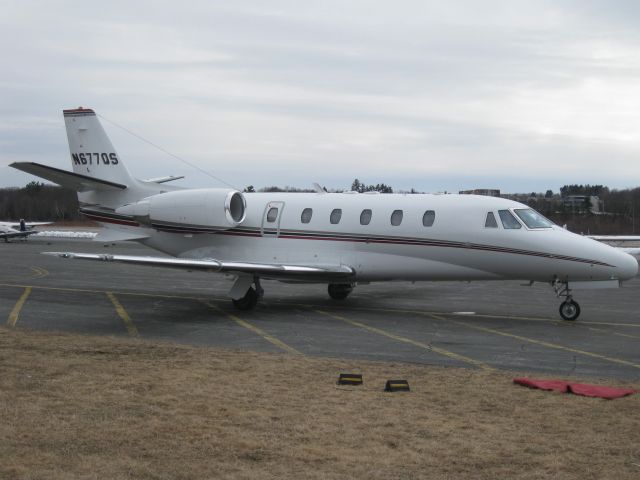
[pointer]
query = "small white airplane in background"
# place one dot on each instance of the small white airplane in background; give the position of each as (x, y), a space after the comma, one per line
(622, 242)
(20, 229)
(339, 239)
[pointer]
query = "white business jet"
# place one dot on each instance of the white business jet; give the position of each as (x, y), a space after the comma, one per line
(19, 229)
(339, 239)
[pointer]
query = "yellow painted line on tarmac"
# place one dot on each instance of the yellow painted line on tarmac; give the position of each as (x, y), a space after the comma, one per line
(626, 335)
(441, 351)
(39, 272)
(508, 317)
(15, 313)
(538, 342)
(313, 306)
(243, 323)
(423, 312)
(122, 313)
(477, 315)
(610, 324)
(87, 290)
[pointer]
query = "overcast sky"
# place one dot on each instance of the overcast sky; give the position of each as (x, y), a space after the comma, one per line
(434, 95)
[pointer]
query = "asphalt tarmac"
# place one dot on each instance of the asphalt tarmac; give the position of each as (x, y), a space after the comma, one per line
(489, 325)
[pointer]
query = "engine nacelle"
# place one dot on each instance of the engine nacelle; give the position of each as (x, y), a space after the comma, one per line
(202, 209)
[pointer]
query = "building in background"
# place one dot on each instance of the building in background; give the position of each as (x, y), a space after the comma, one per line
(583, 203)
(488, 192)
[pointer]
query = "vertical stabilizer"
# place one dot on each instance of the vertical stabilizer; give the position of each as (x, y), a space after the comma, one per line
(92, 153)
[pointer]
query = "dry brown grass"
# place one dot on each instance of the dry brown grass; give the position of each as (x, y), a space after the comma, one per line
(85, 407)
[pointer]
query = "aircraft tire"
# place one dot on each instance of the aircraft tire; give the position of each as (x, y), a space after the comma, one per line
(248, 302)
(339, 291)
(569, 310)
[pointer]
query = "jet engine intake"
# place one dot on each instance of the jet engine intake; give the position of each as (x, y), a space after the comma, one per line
(203, 209)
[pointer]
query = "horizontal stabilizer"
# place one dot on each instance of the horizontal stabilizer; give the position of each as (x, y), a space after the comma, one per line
(212, 265)
(74, 181)
(169, 178)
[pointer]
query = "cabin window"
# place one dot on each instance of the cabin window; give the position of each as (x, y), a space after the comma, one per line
(490, 222)
(365, 217)
(428, 218)
(272, 214)
(336, 215)
(533, 219)
(396, 218)
(508, 220)
(306, 215)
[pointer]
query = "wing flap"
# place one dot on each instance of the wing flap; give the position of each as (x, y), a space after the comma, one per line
(212, 265)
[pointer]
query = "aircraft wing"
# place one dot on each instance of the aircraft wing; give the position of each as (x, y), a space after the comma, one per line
(35, 224)
(28, 225)
(274, 270)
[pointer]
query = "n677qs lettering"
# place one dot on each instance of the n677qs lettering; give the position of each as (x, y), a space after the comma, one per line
(94, 158)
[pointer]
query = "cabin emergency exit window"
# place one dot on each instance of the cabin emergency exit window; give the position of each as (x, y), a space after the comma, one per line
(272, 214)
(490, 222)
(336, 215)
(428, 218)
(396, 218)
(365, 217)
(306, 215)
(509, 222)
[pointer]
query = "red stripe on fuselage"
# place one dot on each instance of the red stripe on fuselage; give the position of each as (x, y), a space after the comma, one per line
(101, 219)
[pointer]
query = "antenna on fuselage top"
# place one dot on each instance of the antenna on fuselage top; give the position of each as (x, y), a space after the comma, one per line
(319, 189)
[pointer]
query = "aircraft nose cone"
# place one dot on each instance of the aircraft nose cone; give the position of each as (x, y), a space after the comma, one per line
(627, 265)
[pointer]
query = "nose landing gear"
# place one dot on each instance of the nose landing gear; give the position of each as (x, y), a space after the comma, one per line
(569, 309)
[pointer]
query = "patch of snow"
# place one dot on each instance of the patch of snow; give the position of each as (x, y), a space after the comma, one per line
(65, 234)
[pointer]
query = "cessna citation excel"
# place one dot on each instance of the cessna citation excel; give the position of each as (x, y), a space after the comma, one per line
(339, 239)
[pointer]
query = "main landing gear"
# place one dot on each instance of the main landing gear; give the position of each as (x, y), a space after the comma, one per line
(569, 309)
(248, 302)
(253, 293)
(340, 291)
(247, 292)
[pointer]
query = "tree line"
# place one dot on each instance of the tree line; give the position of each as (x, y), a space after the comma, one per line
(38, 202)
(619, 212)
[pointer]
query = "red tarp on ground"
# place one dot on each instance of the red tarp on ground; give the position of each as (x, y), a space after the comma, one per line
(583, 389)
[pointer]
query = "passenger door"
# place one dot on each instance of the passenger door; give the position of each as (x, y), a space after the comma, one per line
(271, 219)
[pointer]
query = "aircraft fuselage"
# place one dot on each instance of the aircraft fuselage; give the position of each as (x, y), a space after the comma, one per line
(457, 245)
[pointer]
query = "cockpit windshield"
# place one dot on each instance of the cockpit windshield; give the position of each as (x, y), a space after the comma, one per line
(533, 219)
(509, 222)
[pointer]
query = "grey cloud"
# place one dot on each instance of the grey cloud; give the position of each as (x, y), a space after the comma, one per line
(413, 79)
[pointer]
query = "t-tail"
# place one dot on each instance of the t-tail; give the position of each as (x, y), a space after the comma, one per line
(92, 153)
(99, 175)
